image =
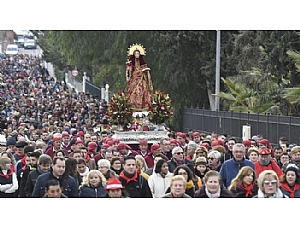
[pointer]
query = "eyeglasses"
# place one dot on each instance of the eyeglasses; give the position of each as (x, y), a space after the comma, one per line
(184, 174)
(178, 153)
(273, 182)
(210, 158)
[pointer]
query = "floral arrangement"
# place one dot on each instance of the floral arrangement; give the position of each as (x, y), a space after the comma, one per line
(161, 110)
(119, 110)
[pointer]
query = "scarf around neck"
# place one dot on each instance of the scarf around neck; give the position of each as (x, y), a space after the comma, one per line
(215, 167)
(7, 174)
(189, 184)
(215, 195)
(277, 194)
(129, 177)
(247, 189)
(289, 189)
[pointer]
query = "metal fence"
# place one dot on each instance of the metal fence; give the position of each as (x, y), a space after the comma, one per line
(92, 89)
(86, 86)
(73, 83)
(271, 127)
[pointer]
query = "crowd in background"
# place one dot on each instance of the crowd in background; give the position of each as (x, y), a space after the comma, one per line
(58, 143)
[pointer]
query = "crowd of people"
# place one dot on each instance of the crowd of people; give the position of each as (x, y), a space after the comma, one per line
(59, 144)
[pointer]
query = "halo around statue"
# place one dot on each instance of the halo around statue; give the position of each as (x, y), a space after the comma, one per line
(135, 47)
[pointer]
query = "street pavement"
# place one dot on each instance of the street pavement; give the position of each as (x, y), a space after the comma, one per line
(36, 52)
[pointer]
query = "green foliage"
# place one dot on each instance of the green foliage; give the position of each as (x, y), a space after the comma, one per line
(260, 64)
(250, 96)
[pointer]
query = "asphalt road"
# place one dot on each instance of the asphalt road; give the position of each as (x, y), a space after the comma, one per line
(36, 52)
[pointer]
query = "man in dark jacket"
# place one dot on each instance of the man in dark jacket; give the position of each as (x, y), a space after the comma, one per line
(57, 172)
(34, 156)
(44, 164)
(177, 159)
(135, 184)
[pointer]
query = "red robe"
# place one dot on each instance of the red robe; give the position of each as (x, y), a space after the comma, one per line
(272, 166)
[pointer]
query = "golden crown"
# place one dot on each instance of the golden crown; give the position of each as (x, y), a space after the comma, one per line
(135, 47)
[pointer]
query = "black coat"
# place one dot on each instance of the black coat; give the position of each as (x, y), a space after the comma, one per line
(241, 193)
(30, 183)
(137, 189)
(225, 193)
(67, 182)
(172, 164)
(23, 180)
(87, 191)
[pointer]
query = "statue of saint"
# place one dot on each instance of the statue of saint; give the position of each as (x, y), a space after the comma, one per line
(139, 83)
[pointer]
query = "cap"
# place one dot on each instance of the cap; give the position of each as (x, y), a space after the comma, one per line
(206, 145)
(155, 146)
(11, 141)
(21, 144)
(56, 138)
(78, 141)
(80, 133)
(173, 141)
(143, 143)
(196, 133)
(265, 142)
(122, 146)
(217, 142)
(247, 143)
(92, 145)
(105, 146)
(264, 151)
(113, 184)
(116, 141)
(65, 134)
(201, 161)
(181, 135)
(292, 167)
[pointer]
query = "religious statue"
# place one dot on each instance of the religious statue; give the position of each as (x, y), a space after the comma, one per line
(139, 83)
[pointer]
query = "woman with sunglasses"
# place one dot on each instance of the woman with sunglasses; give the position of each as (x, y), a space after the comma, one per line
(214, 162)
(268, 184)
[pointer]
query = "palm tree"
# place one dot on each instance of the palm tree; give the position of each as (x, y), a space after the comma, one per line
(293, 94)
(250, 93)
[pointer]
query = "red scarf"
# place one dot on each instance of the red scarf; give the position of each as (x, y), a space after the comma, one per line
(23, 161)
(286, 187)
(128, 179)
(21, 156)
(7, 175)
(87, 158)
(248, 189)
(189, 157)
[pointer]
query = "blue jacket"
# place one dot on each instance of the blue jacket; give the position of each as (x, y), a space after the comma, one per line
(68, 183)
(230, 169)
(92, 192)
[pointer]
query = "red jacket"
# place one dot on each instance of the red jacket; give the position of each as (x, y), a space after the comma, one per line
(272, 166)
(97, 157)
(149, 159)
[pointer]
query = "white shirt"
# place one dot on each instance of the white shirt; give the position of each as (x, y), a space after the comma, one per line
(159, 185)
